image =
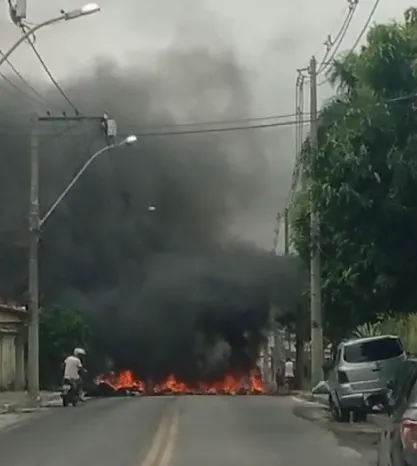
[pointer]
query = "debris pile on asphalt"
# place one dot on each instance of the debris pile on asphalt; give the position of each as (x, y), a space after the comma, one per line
(125, 384)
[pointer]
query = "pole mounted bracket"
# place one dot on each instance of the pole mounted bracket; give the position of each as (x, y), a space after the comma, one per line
(315, 324)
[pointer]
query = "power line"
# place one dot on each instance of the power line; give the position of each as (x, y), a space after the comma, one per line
(220, 130)
(334, 45)
(363, 30)
(220, 122)
(352, 10)
(51, 77)
(365, 27)
(18, 89)
(196, 131)
(24, 81)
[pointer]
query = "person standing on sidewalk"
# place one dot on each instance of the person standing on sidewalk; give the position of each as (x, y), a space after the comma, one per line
(289, 373)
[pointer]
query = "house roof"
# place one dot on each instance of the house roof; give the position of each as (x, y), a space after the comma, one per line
(13, 308)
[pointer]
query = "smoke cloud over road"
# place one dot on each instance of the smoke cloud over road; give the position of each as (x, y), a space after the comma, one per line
(162, 288)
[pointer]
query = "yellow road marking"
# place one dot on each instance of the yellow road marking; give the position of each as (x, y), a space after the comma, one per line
(162, 446)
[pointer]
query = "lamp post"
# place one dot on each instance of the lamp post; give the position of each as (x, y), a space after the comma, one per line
(127, 141)
(35, 224)
(87, 9)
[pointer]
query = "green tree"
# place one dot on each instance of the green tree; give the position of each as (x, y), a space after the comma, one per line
(60, 331)
(364, 174)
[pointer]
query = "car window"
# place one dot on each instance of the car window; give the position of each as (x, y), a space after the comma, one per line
(373, 350)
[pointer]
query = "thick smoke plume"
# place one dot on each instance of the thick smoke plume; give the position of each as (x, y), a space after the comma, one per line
(169, 290)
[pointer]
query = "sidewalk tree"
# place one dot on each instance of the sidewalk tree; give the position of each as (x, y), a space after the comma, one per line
(364, 174)
(60, 331)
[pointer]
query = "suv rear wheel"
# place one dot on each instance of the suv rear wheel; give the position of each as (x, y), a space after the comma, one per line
(359, 415)
(339, 414)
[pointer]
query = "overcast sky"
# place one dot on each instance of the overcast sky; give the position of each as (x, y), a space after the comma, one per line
(271, 40)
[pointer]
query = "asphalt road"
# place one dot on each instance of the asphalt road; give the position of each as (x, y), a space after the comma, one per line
(173, 431)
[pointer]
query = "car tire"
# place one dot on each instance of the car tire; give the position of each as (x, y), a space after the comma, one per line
(339, 414)
(359, 415)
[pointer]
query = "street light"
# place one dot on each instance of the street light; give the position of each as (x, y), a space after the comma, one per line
(125, 142)
(85, 10)
(36, 224)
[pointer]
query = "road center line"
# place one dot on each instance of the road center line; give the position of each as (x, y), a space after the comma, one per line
(170, 443)
(163, 437)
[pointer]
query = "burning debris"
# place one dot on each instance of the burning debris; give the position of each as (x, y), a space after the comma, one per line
(125, 384)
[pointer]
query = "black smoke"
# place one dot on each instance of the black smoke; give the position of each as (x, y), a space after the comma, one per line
(169, 290)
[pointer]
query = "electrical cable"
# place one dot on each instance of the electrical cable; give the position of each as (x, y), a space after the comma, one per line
(18, 89)
(334, 46)
(219, 122)
(220, 130)
(24, 81)
(31, 43)
(365, 27)
(339, 43)
(362, 32)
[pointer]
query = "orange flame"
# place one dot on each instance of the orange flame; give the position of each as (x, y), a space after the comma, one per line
(251, 384)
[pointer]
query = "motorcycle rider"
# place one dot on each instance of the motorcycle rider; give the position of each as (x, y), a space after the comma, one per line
(73, 366)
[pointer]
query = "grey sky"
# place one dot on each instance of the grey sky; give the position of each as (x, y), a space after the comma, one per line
(271, 39)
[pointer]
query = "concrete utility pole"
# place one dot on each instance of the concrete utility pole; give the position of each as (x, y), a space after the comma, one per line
(108, 127)
(286, 233)
(315, 263)
(33, 328)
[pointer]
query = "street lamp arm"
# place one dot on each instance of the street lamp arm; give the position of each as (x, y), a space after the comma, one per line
(87, 9)
(72, 183)
(28, 33)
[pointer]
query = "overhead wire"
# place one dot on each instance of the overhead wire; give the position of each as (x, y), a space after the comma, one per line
(334, 45)
(218, 130)
(24, 81)
(31, 42)
(19, 90)
(361, 34)
(352, 8)
(220, 122)
(365, 27)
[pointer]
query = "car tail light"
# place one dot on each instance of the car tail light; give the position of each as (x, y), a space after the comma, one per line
(409, 434)
(342, 377)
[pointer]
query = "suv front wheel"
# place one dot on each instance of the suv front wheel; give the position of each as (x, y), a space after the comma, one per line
(339, 414)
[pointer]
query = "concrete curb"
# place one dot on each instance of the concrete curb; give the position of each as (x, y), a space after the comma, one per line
(51, 401)
(377, 420)
(321, 417)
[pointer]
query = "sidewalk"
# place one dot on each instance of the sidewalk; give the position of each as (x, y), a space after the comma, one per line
(11, 402)
(377, 419)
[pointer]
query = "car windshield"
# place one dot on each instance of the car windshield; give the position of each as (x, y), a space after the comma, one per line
(374, 350)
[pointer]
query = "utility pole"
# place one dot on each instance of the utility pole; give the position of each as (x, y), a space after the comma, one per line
(108, 127)
(286, 233)
(315, 262)
(33, 328)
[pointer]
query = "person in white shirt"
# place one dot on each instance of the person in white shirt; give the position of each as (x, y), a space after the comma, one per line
(289, 373)
(73, 366)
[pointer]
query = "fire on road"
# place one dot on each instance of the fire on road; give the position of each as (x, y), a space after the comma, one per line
(229, 385)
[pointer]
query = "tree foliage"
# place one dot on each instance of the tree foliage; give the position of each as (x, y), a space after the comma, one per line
(60, 331)
(364, 180)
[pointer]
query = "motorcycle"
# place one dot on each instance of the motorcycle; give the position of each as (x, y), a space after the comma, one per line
(69, 393)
